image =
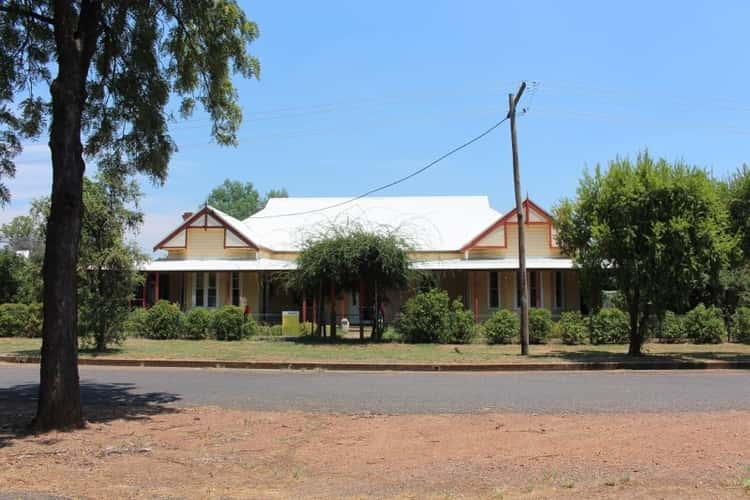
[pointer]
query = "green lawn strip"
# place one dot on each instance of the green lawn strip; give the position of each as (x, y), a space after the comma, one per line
(353, 351)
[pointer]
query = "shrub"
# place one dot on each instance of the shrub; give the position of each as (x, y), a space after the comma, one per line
(250, 327)
(163, 321)
(135, 323)
(432, 317)
(610, 326)
(502, 327)
(573, 328)
(197, 324)
(229, 323)
(426, 317)
(20, 320)
(672, 328)
(461, 326)
(741, 325)
(705, 325)
(391, 335)
(540, 325)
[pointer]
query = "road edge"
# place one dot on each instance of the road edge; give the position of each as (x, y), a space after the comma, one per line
(638, 364)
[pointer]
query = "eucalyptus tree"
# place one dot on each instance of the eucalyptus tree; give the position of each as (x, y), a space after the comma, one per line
(98, 75)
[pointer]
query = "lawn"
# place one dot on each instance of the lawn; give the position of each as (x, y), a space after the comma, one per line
(351, 350)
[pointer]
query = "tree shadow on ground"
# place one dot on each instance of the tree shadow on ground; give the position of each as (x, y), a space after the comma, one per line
(103, 402)
(687, 358)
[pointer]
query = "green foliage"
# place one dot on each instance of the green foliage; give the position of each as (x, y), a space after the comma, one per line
(737, 198)
(197, 323)
(136, 323)
(461, 326)
(540, 325)
(251, 329)
(20, 320)
(392, 335)
(432, 317)
(610, 326)
(672, 328)
(347, 257)
(163, 321)
(229, 323)
(107, 265)
(705, 325)
(657, 230)
(11, 275)
(741, 325)
(573, 328)
(241, 200)
(502, 327)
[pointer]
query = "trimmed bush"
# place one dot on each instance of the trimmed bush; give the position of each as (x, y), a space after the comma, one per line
(540, 325)
(432, 317)
(425, 317)
(135, 323)
(228, 323)
(163, 321)
(741, 325)
(461, 326)
(705, 325)
(672, 328)
(502, 327)
(610, 326)
(197, 324)
(573, 328)
(20, 320)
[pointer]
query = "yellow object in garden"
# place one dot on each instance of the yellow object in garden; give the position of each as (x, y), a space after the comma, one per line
(290, 323)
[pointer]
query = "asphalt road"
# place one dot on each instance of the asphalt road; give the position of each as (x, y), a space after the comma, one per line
(388, 392)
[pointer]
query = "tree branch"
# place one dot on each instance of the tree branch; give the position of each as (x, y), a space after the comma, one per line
(15, 9)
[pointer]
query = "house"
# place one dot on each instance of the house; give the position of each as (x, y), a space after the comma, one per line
(213, 259)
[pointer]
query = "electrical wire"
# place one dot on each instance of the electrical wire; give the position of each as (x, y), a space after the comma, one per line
(390, 184)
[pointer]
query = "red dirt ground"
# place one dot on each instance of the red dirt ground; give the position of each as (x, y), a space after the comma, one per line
(210, 452)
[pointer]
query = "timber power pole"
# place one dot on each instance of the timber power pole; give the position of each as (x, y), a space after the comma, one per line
(522, 277)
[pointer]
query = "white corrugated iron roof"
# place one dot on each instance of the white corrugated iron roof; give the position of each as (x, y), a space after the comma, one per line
(430, 223)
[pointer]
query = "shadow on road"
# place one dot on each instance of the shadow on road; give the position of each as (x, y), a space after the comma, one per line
(103, 402)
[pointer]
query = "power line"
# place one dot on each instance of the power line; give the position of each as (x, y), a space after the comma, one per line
(393, 183)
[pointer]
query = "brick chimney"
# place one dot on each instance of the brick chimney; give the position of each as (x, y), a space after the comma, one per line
(186, 215)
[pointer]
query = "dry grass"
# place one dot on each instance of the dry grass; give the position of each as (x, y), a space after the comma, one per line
(354, 351)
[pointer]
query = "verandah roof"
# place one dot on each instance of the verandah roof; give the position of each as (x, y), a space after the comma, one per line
(286, 265)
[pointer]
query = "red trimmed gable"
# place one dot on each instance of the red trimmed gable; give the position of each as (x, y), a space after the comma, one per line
(205, 218)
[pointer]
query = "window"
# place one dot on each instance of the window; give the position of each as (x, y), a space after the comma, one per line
(559, 297)
(235, 280)
(494, 293)
(199, 290)
(211, 302)
(205, 290)
(534, 287)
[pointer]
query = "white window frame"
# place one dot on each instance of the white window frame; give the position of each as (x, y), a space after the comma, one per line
(489, 291)
(206, 281)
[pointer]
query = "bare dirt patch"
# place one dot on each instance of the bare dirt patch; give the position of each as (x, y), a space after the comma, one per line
(210, 452)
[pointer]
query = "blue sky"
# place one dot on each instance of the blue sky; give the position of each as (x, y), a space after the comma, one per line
(354, 94)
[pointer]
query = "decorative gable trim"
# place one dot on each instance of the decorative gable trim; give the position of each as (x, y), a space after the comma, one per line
(206, 218)
(534, 215)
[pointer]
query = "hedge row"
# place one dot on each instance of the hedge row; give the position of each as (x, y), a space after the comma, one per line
(164, 320)
(432, 317)
(21, 320)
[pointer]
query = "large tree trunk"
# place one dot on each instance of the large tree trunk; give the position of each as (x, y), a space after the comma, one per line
(59, 405)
